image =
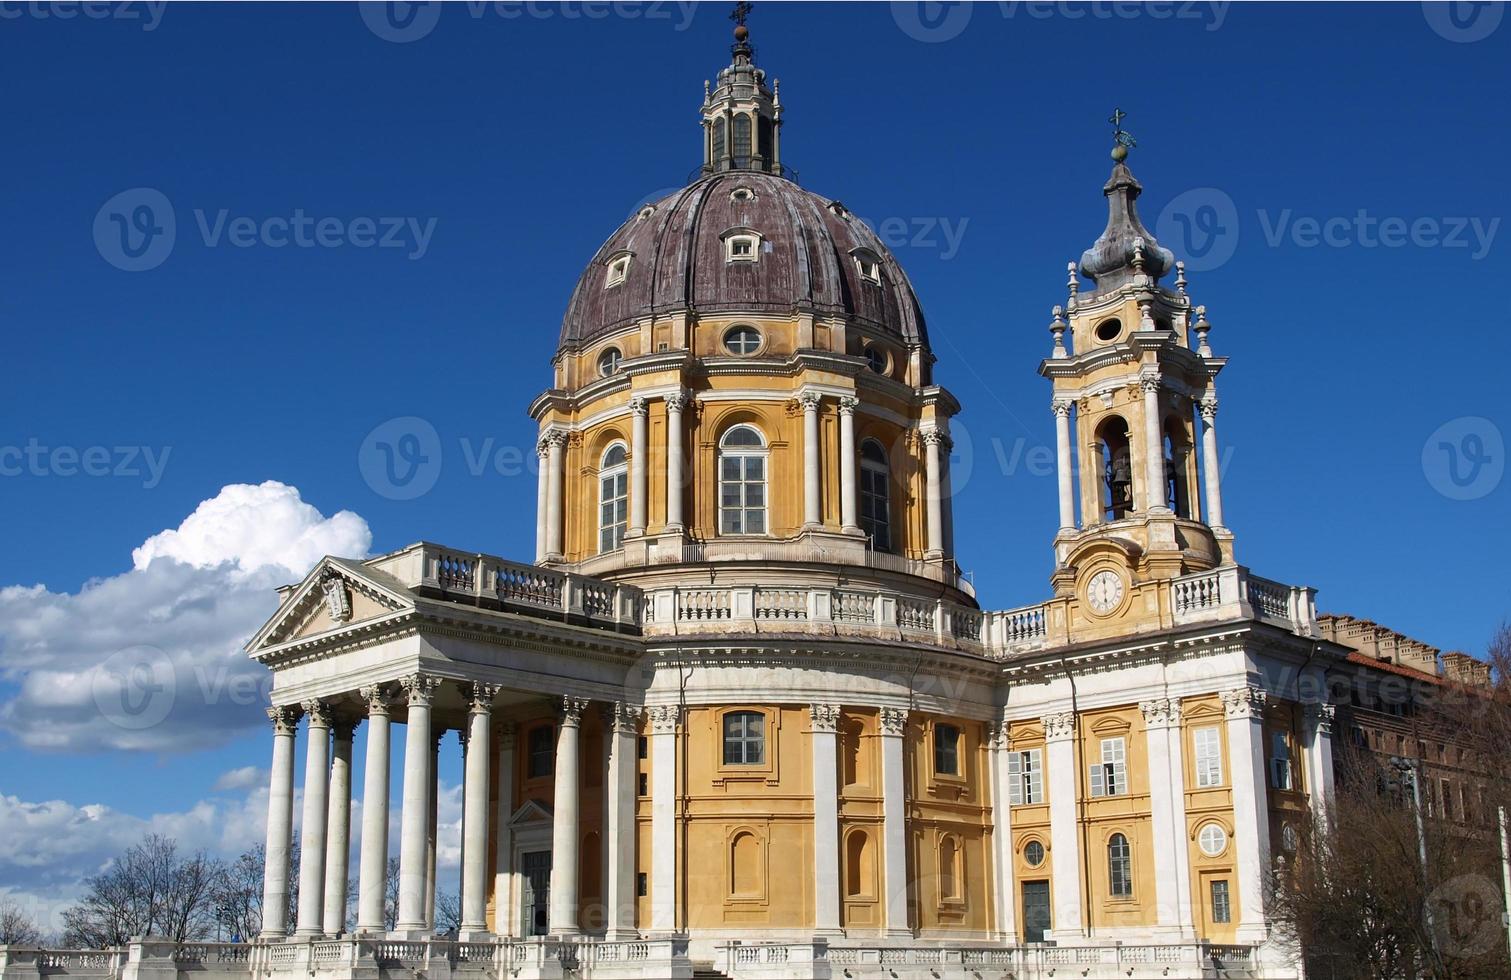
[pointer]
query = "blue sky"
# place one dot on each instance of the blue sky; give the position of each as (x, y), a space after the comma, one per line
(1330, 172)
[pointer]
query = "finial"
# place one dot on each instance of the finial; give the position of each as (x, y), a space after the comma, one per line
(738, 15)
(1122, 141)
(1075, 280)
(1138, 254)
(1057, 330)
(1180, 277)
(1202, 327)
(776, 92)
(707, 91)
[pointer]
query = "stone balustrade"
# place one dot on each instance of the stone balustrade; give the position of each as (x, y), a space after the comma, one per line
(1233, 592)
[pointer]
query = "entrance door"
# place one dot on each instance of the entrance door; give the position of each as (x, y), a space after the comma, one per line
(535, 866)
(1036, 918)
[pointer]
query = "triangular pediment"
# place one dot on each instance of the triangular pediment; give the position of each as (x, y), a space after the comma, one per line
(336, 594)
(534, 811)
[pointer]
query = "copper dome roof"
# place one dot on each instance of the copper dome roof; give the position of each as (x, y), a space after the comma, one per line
(807, 262)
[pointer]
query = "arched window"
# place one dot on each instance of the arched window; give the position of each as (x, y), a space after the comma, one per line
(875, 495)
(744, 738)
(949, 869)
(613, 499)
(745, 865)
(1117, 468)
(859, 870)
(742, 140)
(742, 481)
(1119, 867)
(763, 138)
(1177, 469)
(718, 154)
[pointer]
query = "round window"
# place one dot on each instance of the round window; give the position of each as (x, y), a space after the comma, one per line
(876, 358)
(1213, 840)
(741, 194)
(1033, 854)
(608, 361)
(742, 340)
(1109, 329)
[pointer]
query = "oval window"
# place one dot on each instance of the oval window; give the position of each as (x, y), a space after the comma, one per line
(608, 361)
(1213, 840)
(742, 340)
(1109, 329)
(1033, 854)
(876, 358)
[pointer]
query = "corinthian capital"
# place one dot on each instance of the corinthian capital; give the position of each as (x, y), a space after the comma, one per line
(318, 711)
(378, 698)
(1243, 702)
(825, 717)
(894, 721)
(676, 401)
(664, 718)
(419, 689)
(639, 407)
(848, 404)
(570, 711)
(1209, 408)
(1059, 725)
(1149, 383)
(1060, 407)
(285, 719)
(809, 400)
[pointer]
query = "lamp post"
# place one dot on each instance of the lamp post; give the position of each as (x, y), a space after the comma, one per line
(1410, 770)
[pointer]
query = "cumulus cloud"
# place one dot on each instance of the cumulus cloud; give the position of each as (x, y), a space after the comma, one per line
(152, 659)
(247, 777)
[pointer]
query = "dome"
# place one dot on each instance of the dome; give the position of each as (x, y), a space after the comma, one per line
(811, 256)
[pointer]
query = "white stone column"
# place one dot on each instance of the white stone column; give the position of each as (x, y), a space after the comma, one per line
(474, 924)
(1317, 730)
(639, 448)
(848, 461)
(556, 443)
(372, 865)
(275, 874)
(620, 835)
(664, 721)
(542, 498)
(564, 826)
(437, 736)
(1064, 465)
(414, 829)
(338, 832)
(933, 443)
(812, 513)
(674, 461)
(826, 887)
(1210, 468)
(505, 919)
(894, 723)
(1155, 480)
(317, 762)
(1060, 771)
(1167, 809)
(1244, 707)
(1004, 883)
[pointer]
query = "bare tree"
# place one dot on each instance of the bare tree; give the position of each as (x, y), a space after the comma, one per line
(148, 890)
(448, 912)
(17, 928)
(391, 895)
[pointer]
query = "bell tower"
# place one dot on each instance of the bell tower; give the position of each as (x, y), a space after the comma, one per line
(742, 115)
(1132, 371)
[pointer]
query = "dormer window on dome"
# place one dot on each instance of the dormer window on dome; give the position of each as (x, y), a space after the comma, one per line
(868, 264)
(619, 270)
(742, 245)
(741, 194)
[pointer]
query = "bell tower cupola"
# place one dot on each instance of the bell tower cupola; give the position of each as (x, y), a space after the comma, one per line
(742, 114)
(1132, 372)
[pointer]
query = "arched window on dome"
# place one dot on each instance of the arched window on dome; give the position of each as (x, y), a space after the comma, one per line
(742, 141)
(613, 498)
(763, 138)
(742, 481)
(875, 495)
(718, 150)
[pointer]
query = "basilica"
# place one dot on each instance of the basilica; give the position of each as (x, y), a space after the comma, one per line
(742, 714)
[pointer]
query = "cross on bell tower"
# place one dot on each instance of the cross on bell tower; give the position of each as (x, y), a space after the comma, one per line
(1132, 370)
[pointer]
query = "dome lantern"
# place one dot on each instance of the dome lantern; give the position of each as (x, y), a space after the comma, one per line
(741, 113)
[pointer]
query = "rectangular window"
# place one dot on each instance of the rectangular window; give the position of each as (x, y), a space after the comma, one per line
(642, 888)
(1025, 777)
(1222, 907)
(1280, 761)
(1208, 756)
(947, 750)
(613, 510)
(542, 752)
(643, 747)
(1110, 776)
(744, 738)
(645, 784)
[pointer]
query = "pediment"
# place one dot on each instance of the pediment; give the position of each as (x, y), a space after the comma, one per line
(533, 811)
(336, 594)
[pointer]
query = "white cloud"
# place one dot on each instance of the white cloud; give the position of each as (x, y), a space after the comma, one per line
(152, 659)
(247, 777)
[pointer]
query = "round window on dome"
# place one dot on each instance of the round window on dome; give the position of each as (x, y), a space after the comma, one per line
(1109, 329)
(608, 361)
(741, 194)
(742, 340)
(877, 360)
(1033, 854)
(1213, 840)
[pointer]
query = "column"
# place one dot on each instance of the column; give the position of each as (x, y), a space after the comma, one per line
(619, 837)
(1004, 885)
(556, 443)
(1167, 808)
(1209, 465)
(825, 725)
(674, 461)
(564, 830)
(414, 818)
(664, 720)
(475, 813)
(1251, 818)
(1060, 776)
(847, 463)
(812, 515)
(338, 835)
(894, 722)
(1064, 464)
(275, 873)
(1155, 479)
(542, 498)
(372, 874)
(505, 919)
(1317, 730)
(430, 836)
(317, 762)
(638, 449)
(933, 440)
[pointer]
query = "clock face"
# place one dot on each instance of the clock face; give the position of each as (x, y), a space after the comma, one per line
(1105, 591)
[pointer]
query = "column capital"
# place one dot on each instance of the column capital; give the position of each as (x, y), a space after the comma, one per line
(569, 711)
(542, 447)
(664, 718)
(1061, 407)
(809, 400)
(894, 721)
(1150, 381)
(319, 712)
(639, 406)
(824, 717)
(1244, 702)
(1319, 714)
(937, 437)
(378, 698)
(677, 401)
(554, 438)
(285, 718)
(1160, 712)
(1208, 407)
(997, 732)
(848, 404)
(623, 718)
(419, 688)
(1059, 726)
(480, 698)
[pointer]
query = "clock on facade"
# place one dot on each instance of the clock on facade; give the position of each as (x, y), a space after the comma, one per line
(1105, 591)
